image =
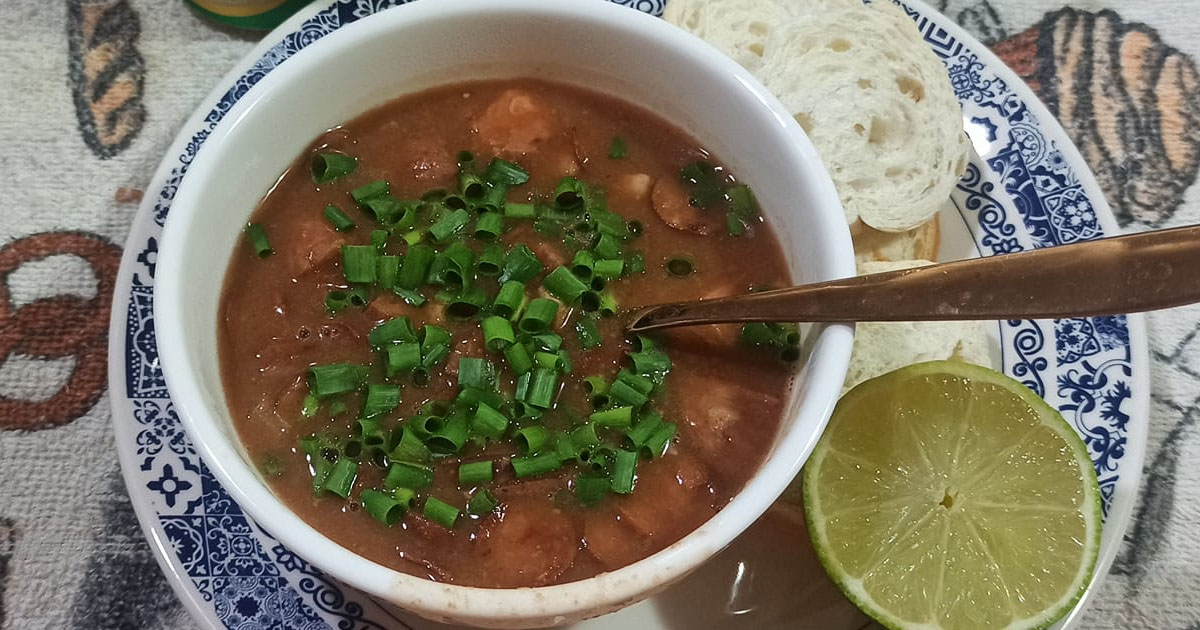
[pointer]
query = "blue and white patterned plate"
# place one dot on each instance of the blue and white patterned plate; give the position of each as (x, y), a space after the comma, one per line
(1029, 188)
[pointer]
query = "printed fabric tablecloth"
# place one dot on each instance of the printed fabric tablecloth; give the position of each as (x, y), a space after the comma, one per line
(93, 91)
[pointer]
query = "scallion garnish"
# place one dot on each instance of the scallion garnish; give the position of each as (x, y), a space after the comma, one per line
(539, 315)
(521, 265)
(536, 465)
(617, 149)
(475, 473)
(326, 167)
(382, 507)
(506, 173)
(564, 285)
(358, 263)
(532, 439)
(258, 240)
(449, 224)
(336, 378)
(440, 512)
(481, 503)
(340, 221)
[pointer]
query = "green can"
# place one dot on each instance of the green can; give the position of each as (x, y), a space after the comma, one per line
(255, 15)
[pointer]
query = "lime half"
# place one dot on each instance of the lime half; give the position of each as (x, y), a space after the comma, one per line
(948, 496)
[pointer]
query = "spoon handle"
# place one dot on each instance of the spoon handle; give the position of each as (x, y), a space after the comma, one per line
(1124, 274)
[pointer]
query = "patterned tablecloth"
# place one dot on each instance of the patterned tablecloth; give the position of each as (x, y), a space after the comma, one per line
(92, 92)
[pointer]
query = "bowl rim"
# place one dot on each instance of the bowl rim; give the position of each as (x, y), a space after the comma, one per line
(607, 591)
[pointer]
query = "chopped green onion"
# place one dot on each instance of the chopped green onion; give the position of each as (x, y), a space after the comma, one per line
(595, 385)
(409, 296)
(564, 285)
(607, 247)
(435, 344)
(341, 478)
(547, 360)
(373, 189)
(476, 372)
(634, 227)
(475, 473)
(358, 263)
(532, 439)
(609, 268)
(637, 263)
(591, 489)
(589, 301)
(466, 161)
(497, 333)
(451, 437)
(340, 221)
(569, 194)
(617, 148)
(426, 423)
(648, 423)
(338, 300)
(382, 507)
(617, 417)
(327, 167)
(656, 444)
(490, 261)
(550, 342)
(379, 240)
(520, 210)
(310, 407)
(536, 465)
(509, 300)
(338, 407)
(734, 224)
(489, 225)
(335, 378)
(624, 471)
(493, 204)
(415, 266)
(505, 173)
(542, 388)
(589, 333)
(518, 358)
(565, 448)
(404, 446)
(387, 269)
(393, 330)
(449, 224)
(539, 314)
(441, 512)
(469, 397)
(380, 399)
(705, 182)
(608, 305)
(320, 465)
(471, 186)
(406, 497)
(488, 422)
(465, 304)
(482, 502)
(258, 240)
(401, 357)
(622, 394)
(653, 364)
(460, 266)
(408, 475)
(636, 381)
(521, 264)
(680, 267)
(582, 265)
(743, 207)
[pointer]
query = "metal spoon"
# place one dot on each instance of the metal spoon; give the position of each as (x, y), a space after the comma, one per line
(1124, 274)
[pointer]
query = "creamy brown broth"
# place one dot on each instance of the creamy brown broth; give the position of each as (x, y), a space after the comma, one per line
(727, 398)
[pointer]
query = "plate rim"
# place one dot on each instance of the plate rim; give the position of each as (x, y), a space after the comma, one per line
(1139, 346)
(120, 402)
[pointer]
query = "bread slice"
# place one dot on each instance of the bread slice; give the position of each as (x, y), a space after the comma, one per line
(920, 243)
(880, 347)
(877, 104)
(740, 28)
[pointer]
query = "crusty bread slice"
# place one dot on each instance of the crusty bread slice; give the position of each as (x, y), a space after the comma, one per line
(877, 104)
(880, 347)
(739, 28)
(920, 243)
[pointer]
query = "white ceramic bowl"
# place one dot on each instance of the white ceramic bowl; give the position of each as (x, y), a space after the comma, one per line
(589, 43)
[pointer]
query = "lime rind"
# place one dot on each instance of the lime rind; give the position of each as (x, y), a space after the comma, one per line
(854, 589)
